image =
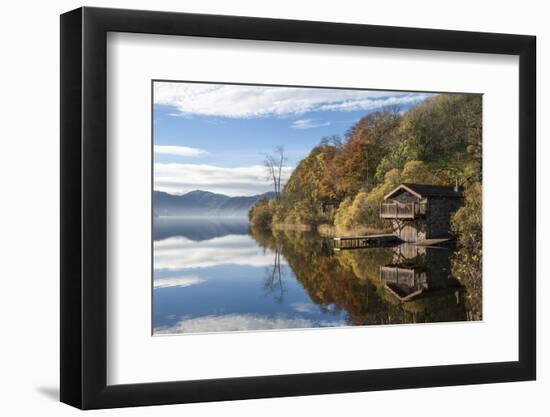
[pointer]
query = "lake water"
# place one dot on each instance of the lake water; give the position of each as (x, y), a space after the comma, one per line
(219, 276)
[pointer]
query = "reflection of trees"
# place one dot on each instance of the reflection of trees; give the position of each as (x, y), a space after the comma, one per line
(443, 299)
(274, 280)
(350, 281)
(467, 261)
(468, 271)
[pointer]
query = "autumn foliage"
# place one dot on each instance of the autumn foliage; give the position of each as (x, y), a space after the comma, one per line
(343, 180)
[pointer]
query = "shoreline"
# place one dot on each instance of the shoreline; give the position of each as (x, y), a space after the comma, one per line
(328, 230)
(296, 227)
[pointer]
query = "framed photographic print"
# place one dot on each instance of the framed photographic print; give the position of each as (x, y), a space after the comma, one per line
(257, 207)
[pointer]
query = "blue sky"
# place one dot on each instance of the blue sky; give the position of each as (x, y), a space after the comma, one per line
(214, 137)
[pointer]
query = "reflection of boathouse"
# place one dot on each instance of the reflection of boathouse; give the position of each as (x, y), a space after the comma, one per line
(419, 211)
(417, 270)
(405, 283)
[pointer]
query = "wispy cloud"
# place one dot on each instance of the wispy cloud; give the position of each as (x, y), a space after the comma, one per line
(240, 322)
(180, 282)
(245, 101)
(308, 124)
(241, 181)
(177, 253)
(397, 99)
(178, 150)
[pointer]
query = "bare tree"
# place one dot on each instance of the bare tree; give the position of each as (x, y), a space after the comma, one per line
(274, 166)
(393, 110)
(333, 140)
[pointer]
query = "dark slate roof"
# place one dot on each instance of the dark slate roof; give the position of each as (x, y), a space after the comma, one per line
(427, 190)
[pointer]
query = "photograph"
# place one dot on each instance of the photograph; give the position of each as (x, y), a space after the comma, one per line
(292, 207)
(352, 195)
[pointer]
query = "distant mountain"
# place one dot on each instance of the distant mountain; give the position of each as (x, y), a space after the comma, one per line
(203, 203)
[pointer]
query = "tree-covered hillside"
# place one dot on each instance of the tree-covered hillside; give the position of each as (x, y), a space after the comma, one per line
(342, 180)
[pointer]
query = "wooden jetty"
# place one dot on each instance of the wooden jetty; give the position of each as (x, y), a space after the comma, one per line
(357, 242)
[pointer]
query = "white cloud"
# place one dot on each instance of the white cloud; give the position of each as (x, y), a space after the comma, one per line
(241, 181)
(176, 253)
(307, 124)
(241, 322)
(178, 150)
(184, 281)
(245, 101)
(369, 104)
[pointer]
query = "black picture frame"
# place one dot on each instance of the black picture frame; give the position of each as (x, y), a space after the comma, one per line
(84, 207)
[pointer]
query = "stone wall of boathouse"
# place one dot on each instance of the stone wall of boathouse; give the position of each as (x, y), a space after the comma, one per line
(438, 217)
(435, 225)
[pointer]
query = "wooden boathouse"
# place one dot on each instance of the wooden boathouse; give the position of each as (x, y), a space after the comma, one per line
(419, 212)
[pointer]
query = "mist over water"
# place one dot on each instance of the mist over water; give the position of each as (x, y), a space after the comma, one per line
(199, 228)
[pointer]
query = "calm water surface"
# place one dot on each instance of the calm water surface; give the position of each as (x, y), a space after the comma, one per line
(218, 276)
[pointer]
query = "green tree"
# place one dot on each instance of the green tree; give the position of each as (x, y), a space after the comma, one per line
(443, 131)
(261, 214)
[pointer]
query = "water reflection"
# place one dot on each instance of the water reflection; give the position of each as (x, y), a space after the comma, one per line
(274, 283)
(179, 253)
(198, 228)
(262, 280)
(419, 271)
